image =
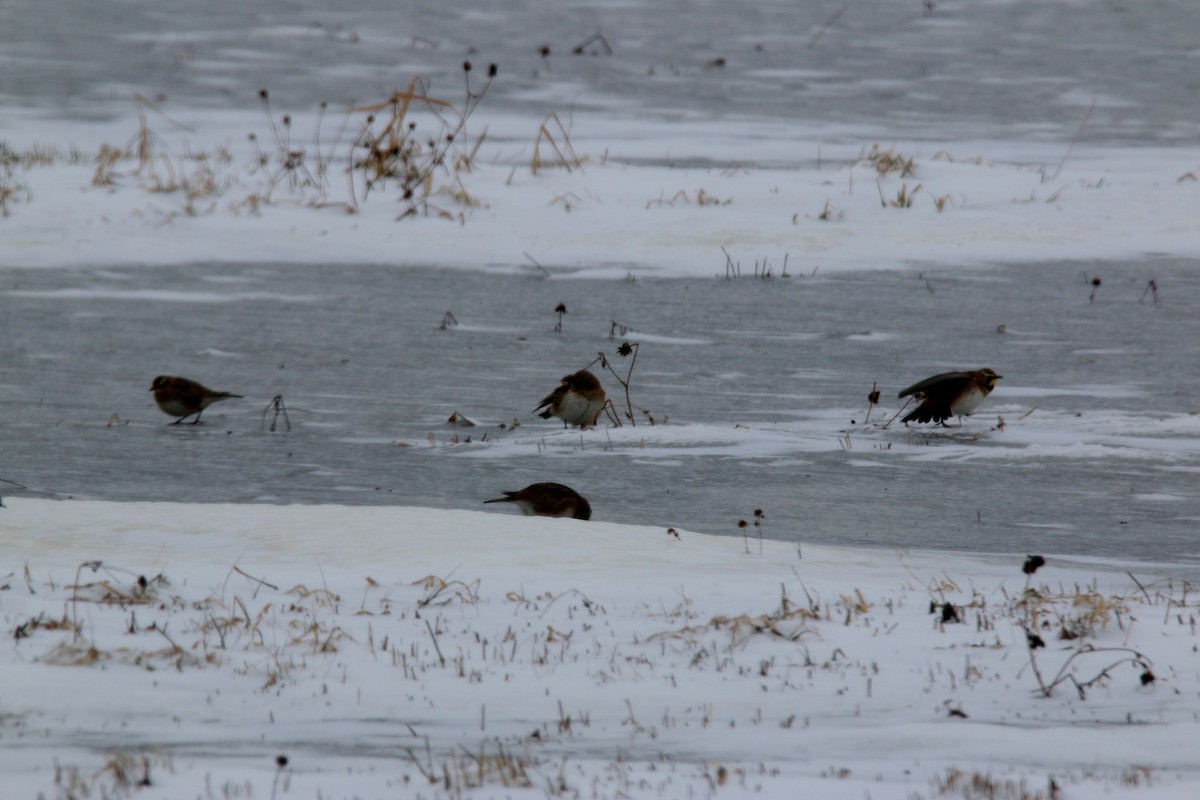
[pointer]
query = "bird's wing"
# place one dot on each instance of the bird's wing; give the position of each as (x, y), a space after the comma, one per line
(946, 382)
(551, 398)
(191, 393)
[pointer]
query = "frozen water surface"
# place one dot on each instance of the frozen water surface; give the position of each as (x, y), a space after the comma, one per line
(758, 388)
(1029, 68)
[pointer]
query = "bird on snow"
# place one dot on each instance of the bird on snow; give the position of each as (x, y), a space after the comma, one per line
(548, 500)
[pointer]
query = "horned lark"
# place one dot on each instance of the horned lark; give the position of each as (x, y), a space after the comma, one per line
(578, 400)
(182, 398)
(548, 500)
(951, 394)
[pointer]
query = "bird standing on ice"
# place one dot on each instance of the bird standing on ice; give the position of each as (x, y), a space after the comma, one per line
(950, 394)
(181, 397)
(578, 400)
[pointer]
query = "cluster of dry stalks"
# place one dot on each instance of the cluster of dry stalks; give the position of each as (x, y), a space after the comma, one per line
(415, 146)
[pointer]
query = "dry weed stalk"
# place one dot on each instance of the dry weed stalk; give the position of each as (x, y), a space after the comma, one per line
(907, 403)
(279, 409)
(142, 145)
(626, 349)
(440, 592)
(292, 162)
(1151, 289)
(618, 329)
(703, 198)
(1071, 146)
(564, 152)
(828, 212)
(595, 45)
(872, 401)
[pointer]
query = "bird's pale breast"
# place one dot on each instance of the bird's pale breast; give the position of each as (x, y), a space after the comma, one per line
(968, 402)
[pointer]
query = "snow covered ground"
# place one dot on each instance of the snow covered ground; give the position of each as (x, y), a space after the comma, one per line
(403, 652)
(620, 206)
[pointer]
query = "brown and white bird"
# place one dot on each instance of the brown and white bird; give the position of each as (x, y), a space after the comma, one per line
(181, 397)
(548, 500)
(578, 400)
(950, 394)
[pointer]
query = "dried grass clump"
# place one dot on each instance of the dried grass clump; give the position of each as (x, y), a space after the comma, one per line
(12, 188)
(700, 198)
(440, 592)
(903, 199)
(459, 770)
(196, 176)
(390, 148)
(38, 155)
(141, 591)
(979, 786)
(788, 622)
(122, 775)
(887, 162)
(26, 629)
(1077, 615)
